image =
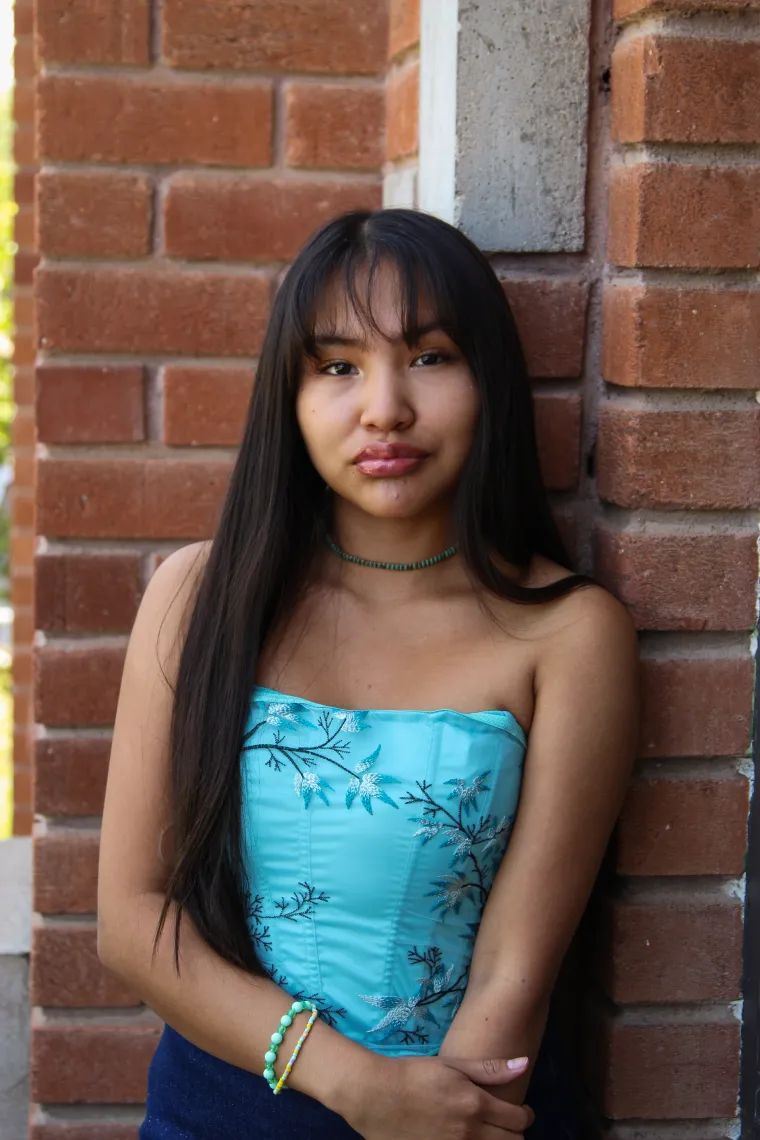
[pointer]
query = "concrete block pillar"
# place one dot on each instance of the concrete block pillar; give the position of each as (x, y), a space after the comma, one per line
(503, 122)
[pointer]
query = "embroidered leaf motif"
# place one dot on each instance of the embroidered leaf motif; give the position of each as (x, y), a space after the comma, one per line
(400, 1010)
(406, 1016)
(280, 714)
(309, 784)
(468, 793)
(450, 892)
(353, 720)
(366, 784)
(429, 829)
(463, 843)
(441, 981)
(498, 834)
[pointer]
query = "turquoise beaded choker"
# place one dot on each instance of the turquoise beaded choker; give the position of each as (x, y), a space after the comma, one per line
(390, 565)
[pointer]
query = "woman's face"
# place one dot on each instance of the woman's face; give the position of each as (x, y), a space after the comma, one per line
(387, 426)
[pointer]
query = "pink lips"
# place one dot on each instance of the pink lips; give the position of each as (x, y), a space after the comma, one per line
(386, 459)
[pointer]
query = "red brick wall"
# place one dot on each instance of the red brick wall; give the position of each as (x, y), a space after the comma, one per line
(183, 167)
(186, 155)
(678, 474)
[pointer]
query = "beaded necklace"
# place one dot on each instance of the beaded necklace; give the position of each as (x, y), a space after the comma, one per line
(424, 562)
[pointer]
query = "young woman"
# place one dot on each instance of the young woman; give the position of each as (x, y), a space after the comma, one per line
(329, 715)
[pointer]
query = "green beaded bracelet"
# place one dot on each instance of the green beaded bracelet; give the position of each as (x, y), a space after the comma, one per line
(276, 1041)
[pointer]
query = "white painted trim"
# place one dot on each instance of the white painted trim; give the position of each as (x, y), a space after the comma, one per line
(15, 895)
(439, 31)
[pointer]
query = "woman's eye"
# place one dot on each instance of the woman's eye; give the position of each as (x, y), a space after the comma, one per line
(342, 368)
(431, 358)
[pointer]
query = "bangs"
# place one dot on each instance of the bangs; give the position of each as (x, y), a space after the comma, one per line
(347, 285)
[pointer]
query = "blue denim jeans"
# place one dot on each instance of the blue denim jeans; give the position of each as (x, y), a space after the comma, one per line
(195, 1096)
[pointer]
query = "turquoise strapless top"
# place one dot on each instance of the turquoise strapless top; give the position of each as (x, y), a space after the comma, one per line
(372, 839)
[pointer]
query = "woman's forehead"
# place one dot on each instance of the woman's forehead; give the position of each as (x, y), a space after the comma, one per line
(369, 313)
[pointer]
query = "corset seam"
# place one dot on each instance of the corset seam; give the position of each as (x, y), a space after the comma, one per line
(391, 948)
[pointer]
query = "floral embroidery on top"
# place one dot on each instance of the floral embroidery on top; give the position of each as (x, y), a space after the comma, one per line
(329, 1013)
(300, 906)
(478, 849)
(330, 749)
(408, 1016)
(478, 846)
(366, 784)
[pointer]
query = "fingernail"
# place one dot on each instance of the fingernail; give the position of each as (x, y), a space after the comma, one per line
(517, 1063)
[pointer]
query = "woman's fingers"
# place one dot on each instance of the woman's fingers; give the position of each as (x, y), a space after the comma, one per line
(489, 1072)
(491, 1133)
(508, 1117)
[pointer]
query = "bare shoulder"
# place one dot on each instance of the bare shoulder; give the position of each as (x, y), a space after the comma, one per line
(166, 604)
(590, 648)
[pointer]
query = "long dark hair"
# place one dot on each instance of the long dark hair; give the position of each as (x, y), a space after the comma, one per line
(274, 516)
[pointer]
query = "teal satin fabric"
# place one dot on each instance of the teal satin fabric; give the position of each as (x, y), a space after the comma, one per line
(372, 838)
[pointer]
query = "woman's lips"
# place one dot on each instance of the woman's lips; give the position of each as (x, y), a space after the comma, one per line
(382, 460)
(383, 468)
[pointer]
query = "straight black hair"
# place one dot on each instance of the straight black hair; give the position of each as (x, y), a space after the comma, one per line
(274, 518)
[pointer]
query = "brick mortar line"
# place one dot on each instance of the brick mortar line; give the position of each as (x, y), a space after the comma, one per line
(109, 1017)
(54, 1113)
(150, 450)
(119, 359)
(64, 921)
(279, 128)
(731, 27)
(68, 641)
(700, 891)
(171, 76)
(323, 177)
(101, 546)
(736, 280)
(695, 645)
(155, 32)
(711, 156)
(264, 270)
(700, 523)
(155, 413)
(45, 733)
(641, 1015)
(712, 1128)
(674, 769)
(680, 399)
(61, 825)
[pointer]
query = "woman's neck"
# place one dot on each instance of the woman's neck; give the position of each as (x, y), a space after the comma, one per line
(390, 540)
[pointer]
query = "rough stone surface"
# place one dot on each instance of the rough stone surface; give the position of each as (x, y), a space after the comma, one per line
(15, 932)
(522, 104)
(14, 1045)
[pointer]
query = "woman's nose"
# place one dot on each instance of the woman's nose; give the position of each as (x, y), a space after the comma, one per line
(386, 403)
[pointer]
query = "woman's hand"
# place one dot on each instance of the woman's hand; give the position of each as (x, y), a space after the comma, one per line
(432, 1098)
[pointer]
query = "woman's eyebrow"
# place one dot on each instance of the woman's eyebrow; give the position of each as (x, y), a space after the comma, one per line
(323, 339)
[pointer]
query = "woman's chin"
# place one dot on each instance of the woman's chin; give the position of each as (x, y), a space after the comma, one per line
(391, 500)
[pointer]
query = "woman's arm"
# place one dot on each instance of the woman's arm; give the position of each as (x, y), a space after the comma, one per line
(581, 750)
(220, 1008)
